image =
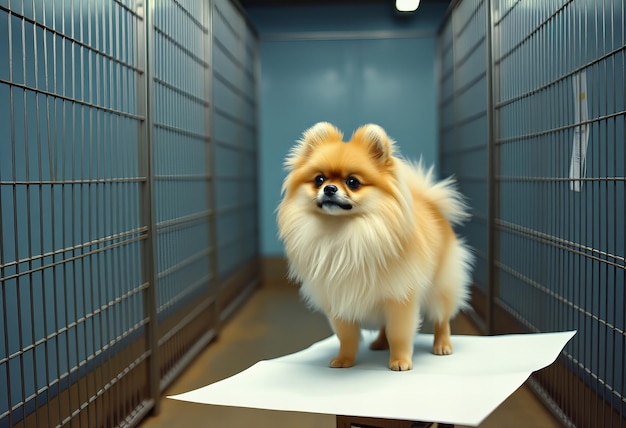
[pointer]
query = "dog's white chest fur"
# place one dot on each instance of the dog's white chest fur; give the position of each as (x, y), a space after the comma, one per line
(345, 272)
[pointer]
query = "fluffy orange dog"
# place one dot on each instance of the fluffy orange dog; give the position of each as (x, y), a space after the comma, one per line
(369, 236)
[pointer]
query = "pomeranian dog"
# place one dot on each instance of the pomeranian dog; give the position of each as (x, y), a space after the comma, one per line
(369, 236)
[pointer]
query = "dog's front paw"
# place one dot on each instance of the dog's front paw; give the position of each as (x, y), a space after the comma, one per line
(400, 365)
(442, 347)
(341, 362)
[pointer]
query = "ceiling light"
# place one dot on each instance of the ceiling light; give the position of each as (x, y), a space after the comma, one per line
(407, 5)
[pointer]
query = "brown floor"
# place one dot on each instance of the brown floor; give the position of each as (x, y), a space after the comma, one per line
(275, 322)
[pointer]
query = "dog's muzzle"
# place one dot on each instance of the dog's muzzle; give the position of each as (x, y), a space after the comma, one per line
(331, 202)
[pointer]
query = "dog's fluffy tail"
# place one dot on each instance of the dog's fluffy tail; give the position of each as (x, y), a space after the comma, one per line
(442, 193)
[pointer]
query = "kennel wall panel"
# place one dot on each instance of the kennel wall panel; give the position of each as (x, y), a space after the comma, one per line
(556, 84)
(235, 122)
(106, 203)
(463, 122)
(547, 114)
(180, 133)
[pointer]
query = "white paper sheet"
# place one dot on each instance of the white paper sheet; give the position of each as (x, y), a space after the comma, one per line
(462, 388)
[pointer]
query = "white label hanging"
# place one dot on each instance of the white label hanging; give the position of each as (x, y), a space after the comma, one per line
(577, 168)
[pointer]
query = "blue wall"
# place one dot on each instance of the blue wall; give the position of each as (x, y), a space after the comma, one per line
(348, 66)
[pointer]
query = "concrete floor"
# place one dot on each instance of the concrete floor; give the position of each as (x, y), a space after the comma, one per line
(275, 322)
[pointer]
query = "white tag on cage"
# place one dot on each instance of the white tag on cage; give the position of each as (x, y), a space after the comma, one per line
(578, 167)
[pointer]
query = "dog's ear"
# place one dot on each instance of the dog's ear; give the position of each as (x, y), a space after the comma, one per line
(380, 146)
(321, 131)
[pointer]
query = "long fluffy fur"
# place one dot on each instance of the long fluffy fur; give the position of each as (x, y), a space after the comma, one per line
(396, 243)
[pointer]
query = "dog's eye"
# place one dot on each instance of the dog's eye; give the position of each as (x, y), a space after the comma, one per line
(353, 183)
(319, 180)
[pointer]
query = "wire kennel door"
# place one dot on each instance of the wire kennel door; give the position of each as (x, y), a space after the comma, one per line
(555, 166)
(108, 249)
(184, 236)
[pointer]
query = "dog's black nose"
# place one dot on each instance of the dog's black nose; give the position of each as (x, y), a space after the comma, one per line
(330, 190)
